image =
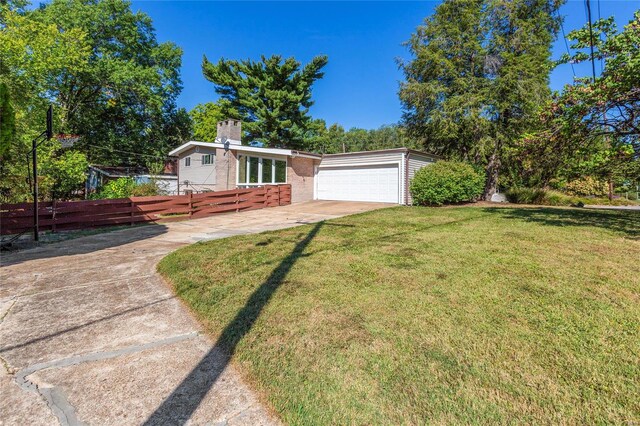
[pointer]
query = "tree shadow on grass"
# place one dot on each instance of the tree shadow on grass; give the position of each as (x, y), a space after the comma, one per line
(178, 407)
(624, 222)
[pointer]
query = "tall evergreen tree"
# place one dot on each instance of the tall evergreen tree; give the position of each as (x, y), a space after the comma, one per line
(519, 52)
(445, 85)
(478, 77)
(272, 96)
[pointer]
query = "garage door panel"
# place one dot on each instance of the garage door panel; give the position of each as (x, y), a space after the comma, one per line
(363, 183)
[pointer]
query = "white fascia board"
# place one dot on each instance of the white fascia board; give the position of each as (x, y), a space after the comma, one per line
(272, 151)
(160, 177)
(372, 163)
(244, 148)
(190, 144)
(306, 155)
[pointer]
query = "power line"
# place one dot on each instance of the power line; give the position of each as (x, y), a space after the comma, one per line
(566, 43)
(130, 152)
(601, 59)
(593, 63)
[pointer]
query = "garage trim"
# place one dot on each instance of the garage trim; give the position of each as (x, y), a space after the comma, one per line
(406, 160)
(398, 164)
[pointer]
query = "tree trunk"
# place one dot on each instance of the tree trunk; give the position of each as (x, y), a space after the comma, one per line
(493, 170)
(610, 189)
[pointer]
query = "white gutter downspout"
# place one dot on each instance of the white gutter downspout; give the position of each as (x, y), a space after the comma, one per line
(406, 178)
(403, 183)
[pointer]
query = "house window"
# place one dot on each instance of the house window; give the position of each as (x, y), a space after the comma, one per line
(261, 171)
(280, 172)
(254, 172)
(267, 170)
(207, 159)
(187, 161)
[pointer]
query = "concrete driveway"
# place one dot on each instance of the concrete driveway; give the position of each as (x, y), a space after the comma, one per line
(89, 333)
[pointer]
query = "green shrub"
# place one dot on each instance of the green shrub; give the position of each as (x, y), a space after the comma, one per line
(587, 186)
(119, 188)
(145, 190)
(125, 187)
(558, 184)
(446, 182)
(540, 196)
(555, 198)
(525, 195)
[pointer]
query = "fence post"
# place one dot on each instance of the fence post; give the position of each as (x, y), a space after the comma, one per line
(53, 216)
(237, 200)
(131, 207)
(190, 203)
(265, 203)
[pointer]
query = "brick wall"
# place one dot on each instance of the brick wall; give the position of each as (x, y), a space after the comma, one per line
(300, 174)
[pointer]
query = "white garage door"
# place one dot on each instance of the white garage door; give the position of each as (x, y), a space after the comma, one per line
(363, 183)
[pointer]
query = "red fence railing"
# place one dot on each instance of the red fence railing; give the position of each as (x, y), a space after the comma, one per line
(63, 215)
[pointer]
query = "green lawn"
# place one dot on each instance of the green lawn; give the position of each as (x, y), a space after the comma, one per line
(430, 315)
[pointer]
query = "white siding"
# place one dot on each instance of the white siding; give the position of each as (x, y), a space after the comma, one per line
(364, 158)
(199, 177)
(167, 186)
(415, 163)
(363, 176)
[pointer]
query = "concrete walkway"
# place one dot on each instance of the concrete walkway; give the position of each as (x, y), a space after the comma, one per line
(90, 334)
(594, 206)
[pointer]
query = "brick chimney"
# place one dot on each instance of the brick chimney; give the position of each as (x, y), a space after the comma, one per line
(230, 129)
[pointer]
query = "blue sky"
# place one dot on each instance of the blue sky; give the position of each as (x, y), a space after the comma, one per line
(362, 40)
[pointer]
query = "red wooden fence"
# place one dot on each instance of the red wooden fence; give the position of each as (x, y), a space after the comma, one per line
(63, 215)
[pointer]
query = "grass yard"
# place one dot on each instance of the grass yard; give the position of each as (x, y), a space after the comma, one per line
(430, 315)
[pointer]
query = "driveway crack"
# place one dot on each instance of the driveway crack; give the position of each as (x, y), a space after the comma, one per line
(6, 366)
(55, 398)
(4, 314)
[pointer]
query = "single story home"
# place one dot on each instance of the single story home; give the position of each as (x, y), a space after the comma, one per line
(376, 176)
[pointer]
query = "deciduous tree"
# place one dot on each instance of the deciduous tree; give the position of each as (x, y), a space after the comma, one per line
(7, 120)
(33, 55)
(205, 118)
(125, 97)
(593, 126)
(478, 78)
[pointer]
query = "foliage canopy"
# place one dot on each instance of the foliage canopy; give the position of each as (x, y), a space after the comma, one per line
(272, 96)
(109, 79)
(478, 78)
(593, 126)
